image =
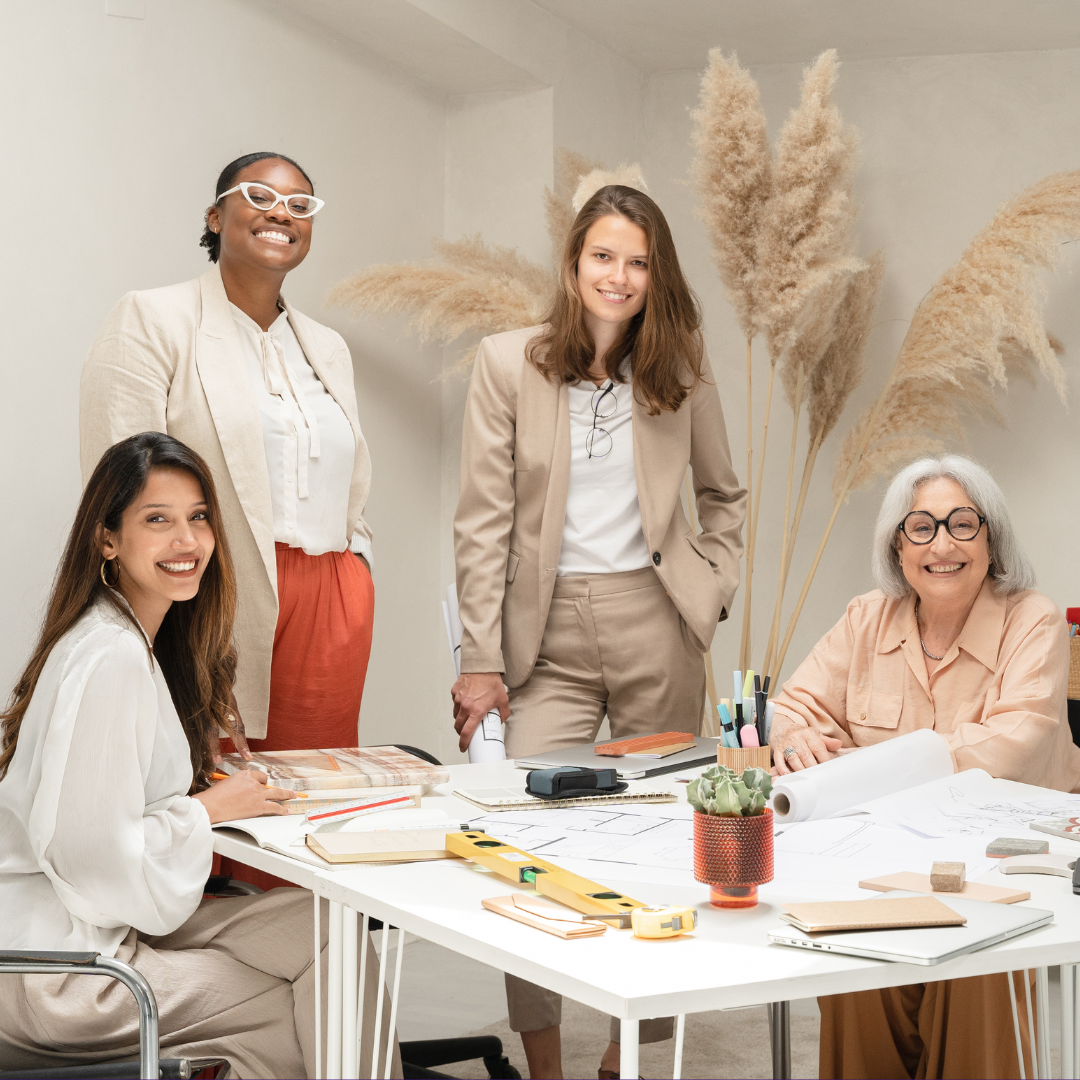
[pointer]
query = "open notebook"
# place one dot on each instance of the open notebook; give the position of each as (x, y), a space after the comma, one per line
(287, 835)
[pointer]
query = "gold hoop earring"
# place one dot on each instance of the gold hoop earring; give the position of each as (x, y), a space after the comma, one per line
(104, 580)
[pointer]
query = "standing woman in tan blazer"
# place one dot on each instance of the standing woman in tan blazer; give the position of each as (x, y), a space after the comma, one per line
(265, 395)
(581, 584)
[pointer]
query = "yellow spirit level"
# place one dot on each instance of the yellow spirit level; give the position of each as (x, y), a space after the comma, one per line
(588, 897)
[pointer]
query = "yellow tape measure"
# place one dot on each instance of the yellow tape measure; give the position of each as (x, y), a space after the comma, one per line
(662, 922)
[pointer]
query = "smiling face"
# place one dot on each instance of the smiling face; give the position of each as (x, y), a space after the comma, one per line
(613, 272)
(944, 572)
(266, 240)
(163, 545)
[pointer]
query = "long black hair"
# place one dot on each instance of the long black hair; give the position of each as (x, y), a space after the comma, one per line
(210, 239)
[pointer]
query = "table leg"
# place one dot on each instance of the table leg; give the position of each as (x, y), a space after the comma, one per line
(363, 946)
(1016, 1022)
(318, 986)
(1042, 1004)
(394, 994)
(1033, 1041)
(780, 1038)
(333, 995)
(350, 1065)
(680, 1034)
(628, 1048)
(1067, 973)
(377, 1035)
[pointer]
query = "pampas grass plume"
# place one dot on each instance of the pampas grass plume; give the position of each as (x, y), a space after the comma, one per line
(806, 229)
(981, 322)
(732, 175)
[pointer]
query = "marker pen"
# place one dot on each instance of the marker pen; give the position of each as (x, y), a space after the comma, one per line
(728, 737)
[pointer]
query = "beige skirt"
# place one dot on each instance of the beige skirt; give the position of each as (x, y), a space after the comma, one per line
(236, 981)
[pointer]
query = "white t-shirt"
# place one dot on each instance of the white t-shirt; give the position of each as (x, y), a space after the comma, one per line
(602, 533)
(308, 440)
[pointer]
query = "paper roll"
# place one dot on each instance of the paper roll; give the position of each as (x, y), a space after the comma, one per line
(834, 786)
(487, 742)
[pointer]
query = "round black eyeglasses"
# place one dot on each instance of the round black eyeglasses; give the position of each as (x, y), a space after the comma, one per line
(963, 523)
(604, 405)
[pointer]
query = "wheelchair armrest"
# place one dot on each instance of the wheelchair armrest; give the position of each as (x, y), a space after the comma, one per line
(47, 956)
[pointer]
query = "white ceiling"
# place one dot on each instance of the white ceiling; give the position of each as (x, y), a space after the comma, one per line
(660, 35)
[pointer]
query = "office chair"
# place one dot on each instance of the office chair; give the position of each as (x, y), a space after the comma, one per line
(149, 1066)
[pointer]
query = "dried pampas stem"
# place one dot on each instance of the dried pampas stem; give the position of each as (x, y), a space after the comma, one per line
(981, 322)
(836, 375)
(732, 175)
(709, 726)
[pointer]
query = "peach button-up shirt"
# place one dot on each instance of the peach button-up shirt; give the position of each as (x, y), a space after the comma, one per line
(998, 697)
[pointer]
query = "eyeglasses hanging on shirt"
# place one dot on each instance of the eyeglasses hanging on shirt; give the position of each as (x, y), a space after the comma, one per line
(604, 405)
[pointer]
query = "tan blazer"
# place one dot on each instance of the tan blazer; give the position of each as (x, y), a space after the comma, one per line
(170, 360)
(515, 472)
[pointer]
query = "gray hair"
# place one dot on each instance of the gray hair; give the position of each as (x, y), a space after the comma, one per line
(1010, 570)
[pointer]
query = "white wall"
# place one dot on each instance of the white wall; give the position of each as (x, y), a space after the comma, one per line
(945, 140)
(114, 132)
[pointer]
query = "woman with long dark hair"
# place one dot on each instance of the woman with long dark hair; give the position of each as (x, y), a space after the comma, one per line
(105, 806)
(582, 586)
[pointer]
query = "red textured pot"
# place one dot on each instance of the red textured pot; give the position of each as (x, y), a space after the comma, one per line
(734, 855)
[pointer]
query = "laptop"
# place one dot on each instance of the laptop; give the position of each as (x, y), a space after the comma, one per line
(630, 767)
(987, 924)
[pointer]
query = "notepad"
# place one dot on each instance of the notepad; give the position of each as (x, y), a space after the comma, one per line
(547, 917)
(883, 914)
(657, 746)
(512, 799)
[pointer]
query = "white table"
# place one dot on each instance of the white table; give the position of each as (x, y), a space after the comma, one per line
(727, 963)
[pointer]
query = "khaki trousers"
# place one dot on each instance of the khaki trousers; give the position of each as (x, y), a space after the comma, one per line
(957, 1028)
(613, 644)
(236, 981)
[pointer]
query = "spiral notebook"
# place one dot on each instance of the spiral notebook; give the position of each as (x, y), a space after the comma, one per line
(511, 799)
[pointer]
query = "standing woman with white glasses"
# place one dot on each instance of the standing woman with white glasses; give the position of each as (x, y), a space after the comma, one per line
(266, 395)
(581, 584)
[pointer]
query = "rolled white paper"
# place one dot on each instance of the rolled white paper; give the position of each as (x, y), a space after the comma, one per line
(834, 786)
(487, 740)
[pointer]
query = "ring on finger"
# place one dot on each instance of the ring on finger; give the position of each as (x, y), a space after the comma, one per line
(788, 752)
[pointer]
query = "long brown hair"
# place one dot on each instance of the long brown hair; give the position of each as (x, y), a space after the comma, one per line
(194, 643)
(663, 341)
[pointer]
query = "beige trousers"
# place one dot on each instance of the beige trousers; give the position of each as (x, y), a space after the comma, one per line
(236, 981)
(613, 644)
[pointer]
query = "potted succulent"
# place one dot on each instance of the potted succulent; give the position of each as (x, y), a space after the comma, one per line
(733, 833)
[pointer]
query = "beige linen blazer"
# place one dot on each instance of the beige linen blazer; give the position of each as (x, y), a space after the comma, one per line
(170, 360)
(515, 473)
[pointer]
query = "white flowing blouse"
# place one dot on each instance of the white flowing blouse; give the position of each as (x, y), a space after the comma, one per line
(308, 441)
(97, 832)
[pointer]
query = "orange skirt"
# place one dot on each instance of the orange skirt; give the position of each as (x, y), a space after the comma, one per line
(326, 608)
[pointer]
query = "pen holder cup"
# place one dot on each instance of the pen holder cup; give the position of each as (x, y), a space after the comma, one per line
(745, 757)
(734, 855)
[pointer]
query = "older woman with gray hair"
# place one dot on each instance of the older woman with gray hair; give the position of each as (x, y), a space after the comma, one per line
(954, 639)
